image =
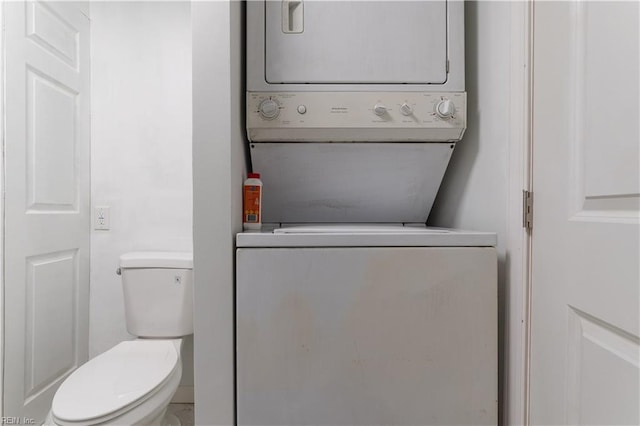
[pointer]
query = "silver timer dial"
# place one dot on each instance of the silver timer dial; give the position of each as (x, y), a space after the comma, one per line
(269, 109)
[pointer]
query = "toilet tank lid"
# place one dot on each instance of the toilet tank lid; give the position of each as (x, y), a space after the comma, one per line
(157, 259)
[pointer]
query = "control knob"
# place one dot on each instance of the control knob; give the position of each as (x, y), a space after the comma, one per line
(269, 109)
(406, 109)
(380, 109)
(445, 109)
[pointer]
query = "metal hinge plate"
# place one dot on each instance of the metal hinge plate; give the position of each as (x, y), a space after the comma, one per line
(527, 209)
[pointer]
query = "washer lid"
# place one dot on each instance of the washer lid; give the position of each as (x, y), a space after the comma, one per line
(115, 379)
(364, 235)
(157, 259)
(357, 229)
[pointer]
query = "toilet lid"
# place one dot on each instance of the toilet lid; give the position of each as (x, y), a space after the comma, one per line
(112, 380)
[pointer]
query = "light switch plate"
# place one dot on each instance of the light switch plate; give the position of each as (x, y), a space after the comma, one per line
(101, 218)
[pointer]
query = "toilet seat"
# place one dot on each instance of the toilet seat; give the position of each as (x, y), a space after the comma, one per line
(117, 381)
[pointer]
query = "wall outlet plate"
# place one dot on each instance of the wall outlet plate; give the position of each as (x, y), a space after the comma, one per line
(101, 218)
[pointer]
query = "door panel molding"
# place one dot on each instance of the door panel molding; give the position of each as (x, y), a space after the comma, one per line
(56, 189)
(46, 366)
(590, 339)
(599, 192)
(53, 33)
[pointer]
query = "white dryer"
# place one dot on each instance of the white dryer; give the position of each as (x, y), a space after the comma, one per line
(353, 108)
(366, 325)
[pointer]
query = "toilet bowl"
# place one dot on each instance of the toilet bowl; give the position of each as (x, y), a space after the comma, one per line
(133, 382)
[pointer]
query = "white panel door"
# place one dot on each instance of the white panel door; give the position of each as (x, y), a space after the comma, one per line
(47, 200)
(585, 279)
(337, 42)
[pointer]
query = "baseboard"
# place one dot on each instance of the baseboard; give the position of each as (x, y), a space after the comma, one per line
(184, 395)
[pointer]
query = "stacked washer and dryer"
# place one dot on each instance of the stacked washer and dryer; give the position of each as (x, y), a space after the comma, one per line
(349, 310)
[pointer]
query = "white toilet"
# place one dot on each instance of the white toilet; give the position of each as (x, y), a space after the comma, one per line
(133, 382)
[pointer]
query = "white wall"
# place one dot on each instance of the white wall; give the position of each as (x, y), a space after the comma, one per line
(474, 193)
(218, 169)
(140, 147)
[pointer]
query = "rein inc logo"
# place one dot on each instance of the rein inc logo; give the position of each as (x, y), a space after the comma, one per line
(17, 421)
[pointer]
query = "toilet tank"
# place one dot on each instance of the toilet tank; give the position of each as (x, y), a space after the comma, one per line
(158, 293)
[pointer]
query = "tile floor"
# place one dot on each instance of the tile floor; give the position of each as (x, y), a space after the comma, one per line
(184, 412)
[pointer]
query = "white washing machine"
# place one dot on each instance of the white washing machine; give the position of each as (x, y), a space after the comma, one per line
(366, 325)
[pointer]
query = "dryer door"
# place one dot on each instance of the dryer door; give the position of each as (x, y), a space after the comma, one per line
(368, 42)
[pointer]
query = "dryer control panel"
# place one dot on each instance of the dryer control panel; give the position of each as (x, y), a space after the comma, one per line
(356, 116)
